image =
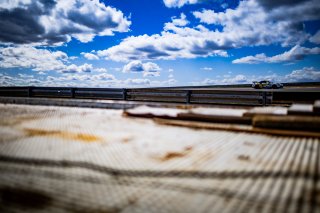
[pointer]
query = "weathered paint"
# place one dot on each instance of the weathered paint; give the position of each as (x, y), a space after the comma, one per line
(137, 165)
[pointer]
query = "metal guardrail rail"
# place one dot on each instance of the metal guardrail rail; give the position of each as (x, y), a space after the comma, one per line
(173, 95)
(154, 95)
(231, 97)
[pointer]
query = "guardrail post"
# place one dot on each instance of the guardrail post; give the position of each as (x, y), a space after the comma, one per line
(29, 92)
(72, 93)
(124, 93)
(264, 98)
(188, 96)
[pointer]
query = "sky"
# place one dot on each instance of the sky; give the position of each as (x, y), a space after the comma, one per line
(158, 43)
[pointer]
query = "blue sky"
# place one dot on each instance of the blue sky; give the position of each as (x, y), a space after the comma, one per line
(143, 43)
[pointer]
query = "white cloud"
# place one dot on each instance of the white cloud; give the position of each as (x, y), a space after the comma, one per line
(77, 69)
(139, 82)
(100, 70)
(148, 69)
(178, 3)
(294, 54)
(250, 24)
(183, 42)
(73, 57)
(56, 22)
(207, 81)
(90, 56)
(206, 68)
(30, 57)
(238, 79)
(315, 38)
(181, 22)
(304, 74)
(41, 60)
(25, 75)
(258, 58)
(19, 80)
(151, 74)
(170, 70)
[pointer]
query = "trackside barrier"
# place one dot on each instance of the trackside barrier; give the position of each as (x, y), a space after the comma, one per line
(159, 95)
(202, 96)
(231, 97)
(112, 94)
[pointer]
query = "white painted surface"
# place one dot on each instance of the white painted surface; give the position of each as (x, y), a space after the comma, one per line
(91, 160)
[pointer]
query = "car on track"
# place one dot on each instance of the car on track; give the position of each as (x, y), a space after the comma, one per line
(266, 85)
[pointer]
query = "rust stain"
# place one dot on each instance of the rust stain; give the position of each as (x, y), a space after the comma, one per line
(133, 200)
(126, 139)
(62, 134)
(172, 155)
(188, 148)
(184, 107)
(244, 157)
(17, 120)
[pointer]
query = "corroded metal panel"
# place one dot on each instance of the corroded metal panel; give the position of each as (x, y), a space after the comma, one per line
(59, 159)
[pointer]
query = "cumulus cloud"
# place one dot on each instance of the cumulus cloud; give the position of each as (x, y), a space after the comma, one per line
(75, 69)
(294, 54)
(75, 80)
(90, 56)
(19, 80)
(33, 58)
(304, 74)
(148, 69)
(138, 81)
(207, 81)
(179, 3)
(315, 38)
(182, 21)
(40, 60)
(50, 22)
(100, 70)
(249, 24)
(174, 42)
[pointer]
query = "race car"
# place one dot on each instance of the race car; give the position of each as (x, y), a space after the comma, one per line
(266, 85)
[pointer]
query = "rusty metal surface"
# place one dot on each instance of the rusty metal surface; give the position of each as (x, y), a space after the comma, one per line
(59, 159)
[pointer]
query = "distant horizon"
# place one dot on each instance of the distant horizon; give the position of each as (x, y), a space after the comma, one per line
(158, 43)
(305, 84)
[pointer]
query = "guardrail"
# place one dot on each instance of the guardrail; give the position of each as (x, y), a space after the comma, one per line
(99, 93)
(159, 95)
(154, 95)
(230, 97)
